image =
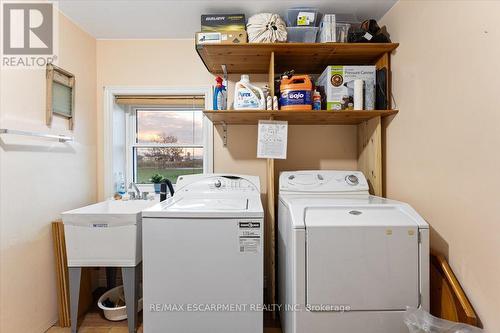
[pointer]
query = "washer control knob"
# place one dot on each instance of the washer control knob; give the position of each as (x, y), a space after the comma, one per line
(352, 180)
(291, 177)
(218, 183)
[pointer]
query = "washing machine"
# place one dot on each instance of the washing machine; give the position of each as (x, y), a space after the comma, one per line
(348, 261)
(203, 257)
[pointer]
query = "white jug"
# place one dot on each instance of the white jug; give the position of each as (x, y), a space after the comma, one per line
(247, 96)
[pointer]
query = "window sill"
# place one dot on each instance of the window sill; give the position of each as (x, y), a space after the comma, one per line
(146, 188)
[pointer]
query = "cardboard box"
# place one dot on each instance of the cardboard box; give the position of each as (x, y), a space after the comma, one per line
(336, 84)
(227, 37)
(222, 22)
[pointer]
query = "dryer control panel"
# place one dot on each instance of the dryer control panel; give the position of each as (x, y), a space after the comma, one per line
(323, 181)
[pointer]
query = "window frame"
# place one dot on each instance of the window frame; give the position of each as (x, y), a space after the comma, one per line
(131, 144)
(111, 159)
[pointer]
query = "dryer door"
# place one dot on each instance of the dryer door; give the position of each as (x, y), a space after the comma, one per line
(364, 258)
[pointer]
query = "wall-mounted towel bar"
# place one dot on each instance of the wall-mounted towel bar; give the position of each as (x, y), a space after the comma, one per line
(61, 138)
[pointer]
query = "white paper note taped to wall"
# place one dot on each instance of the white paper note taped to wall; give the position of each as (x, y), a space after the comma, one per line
(272, 139)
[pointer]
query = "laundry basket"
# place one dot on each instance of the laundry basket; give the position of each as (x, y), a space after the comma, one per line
(117, 313)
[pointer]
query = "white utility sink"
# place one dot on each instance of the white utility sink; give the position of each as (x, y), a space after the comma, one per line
(107, 233)
(113, 211)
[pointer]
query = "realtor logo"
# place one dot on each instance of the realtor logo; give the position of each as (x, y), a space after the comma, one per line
(28, 34)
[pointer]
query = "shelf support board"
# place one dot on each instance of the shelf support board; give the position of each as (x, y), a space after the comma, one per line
(224, 133)
(224, 72)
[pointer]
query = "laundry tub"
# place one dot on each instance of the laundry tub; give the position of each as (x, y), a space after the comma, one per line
(106, 234)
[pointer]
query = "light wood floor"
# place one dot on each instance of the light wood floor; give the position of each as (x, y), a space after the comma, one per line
(94, 322)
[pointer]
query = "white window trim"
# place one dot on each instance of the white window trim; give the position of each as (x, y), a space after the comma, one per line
(109, 103)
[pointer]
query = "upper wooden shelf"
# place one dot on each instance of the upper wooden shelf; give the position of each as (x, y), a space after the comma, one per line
(307, 58)
(296, 117)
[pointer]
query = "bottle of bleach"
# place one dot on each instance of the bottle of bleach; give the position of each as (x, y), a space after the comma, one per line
(296, 93)
(247, 96)
(220, 95)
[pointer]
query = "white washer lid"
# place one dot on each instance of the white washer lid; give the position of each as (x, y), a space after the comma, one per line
(209, 204)
(202, 207)
(359, 216)
(299, 204)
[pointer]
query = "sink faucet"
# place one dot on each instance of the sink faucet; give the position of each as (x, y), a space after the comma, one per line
(132, 184)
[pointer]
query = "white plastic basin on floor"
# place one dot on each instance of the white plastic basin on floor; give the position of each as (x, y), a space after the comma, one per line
(106, 234)
(120, 312)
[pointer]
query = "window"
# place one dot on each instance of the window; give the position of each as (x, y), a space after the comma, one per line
(168, 141)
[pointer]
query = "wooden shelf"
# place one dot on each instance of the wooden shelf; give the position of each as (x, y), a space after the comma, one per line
(298, 117)
(310, 58)
(275, 58)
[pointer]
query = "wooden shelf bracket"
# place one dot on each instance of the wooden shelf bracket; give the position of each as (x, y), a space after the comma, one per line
(224, 72)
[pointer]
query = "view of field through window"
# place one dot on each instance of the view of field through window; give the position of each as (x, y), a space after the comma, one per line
(168, 142)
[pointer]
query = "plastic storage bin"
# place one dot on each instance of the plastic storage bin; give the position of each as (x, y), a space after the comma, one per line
(293, 13)
(302, 34)
(120, 312)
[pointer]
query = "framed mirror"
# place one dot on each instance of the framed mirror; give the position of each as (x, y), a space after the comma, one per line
(60, 94)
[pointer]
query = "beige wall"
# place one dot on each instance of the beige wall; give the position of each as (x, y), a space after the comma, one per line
(175, 63)
(40, 179)
(442, 148)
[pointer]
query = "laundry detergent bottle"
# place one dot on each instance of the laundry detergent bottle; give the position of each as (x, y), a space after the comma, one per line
(247, 96)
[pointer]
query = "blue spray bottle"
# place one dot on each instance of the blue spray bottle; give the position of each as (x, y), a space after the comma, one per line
(220, 95)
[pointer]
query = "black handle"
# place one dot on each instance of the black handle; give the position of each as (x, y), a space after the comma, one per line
(170, 187)
(163, 189)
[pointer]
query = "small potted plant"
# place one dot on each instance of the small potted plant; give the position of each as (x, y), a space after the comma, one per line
(156, 179)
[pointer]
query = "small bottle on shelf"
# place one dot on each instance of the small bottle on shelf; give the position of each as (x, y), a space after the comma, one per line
(276, 105)
(120, 184)
(316, 100)
(220, 95)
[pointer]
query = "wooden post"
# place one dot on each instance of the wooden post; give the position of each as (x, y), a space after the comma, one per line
(270, 245)
(370, 145)
(370, 153)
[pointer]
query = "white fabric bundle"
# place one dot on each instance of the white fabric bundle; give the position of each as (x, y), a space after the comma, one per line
(266, 28)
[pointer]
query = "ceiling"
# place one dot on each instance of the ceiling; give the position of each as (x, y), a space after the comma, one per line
(150, 19)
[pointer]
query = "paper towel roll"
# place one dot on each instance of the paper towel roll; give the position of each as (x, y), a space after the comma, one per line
(358, 94)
